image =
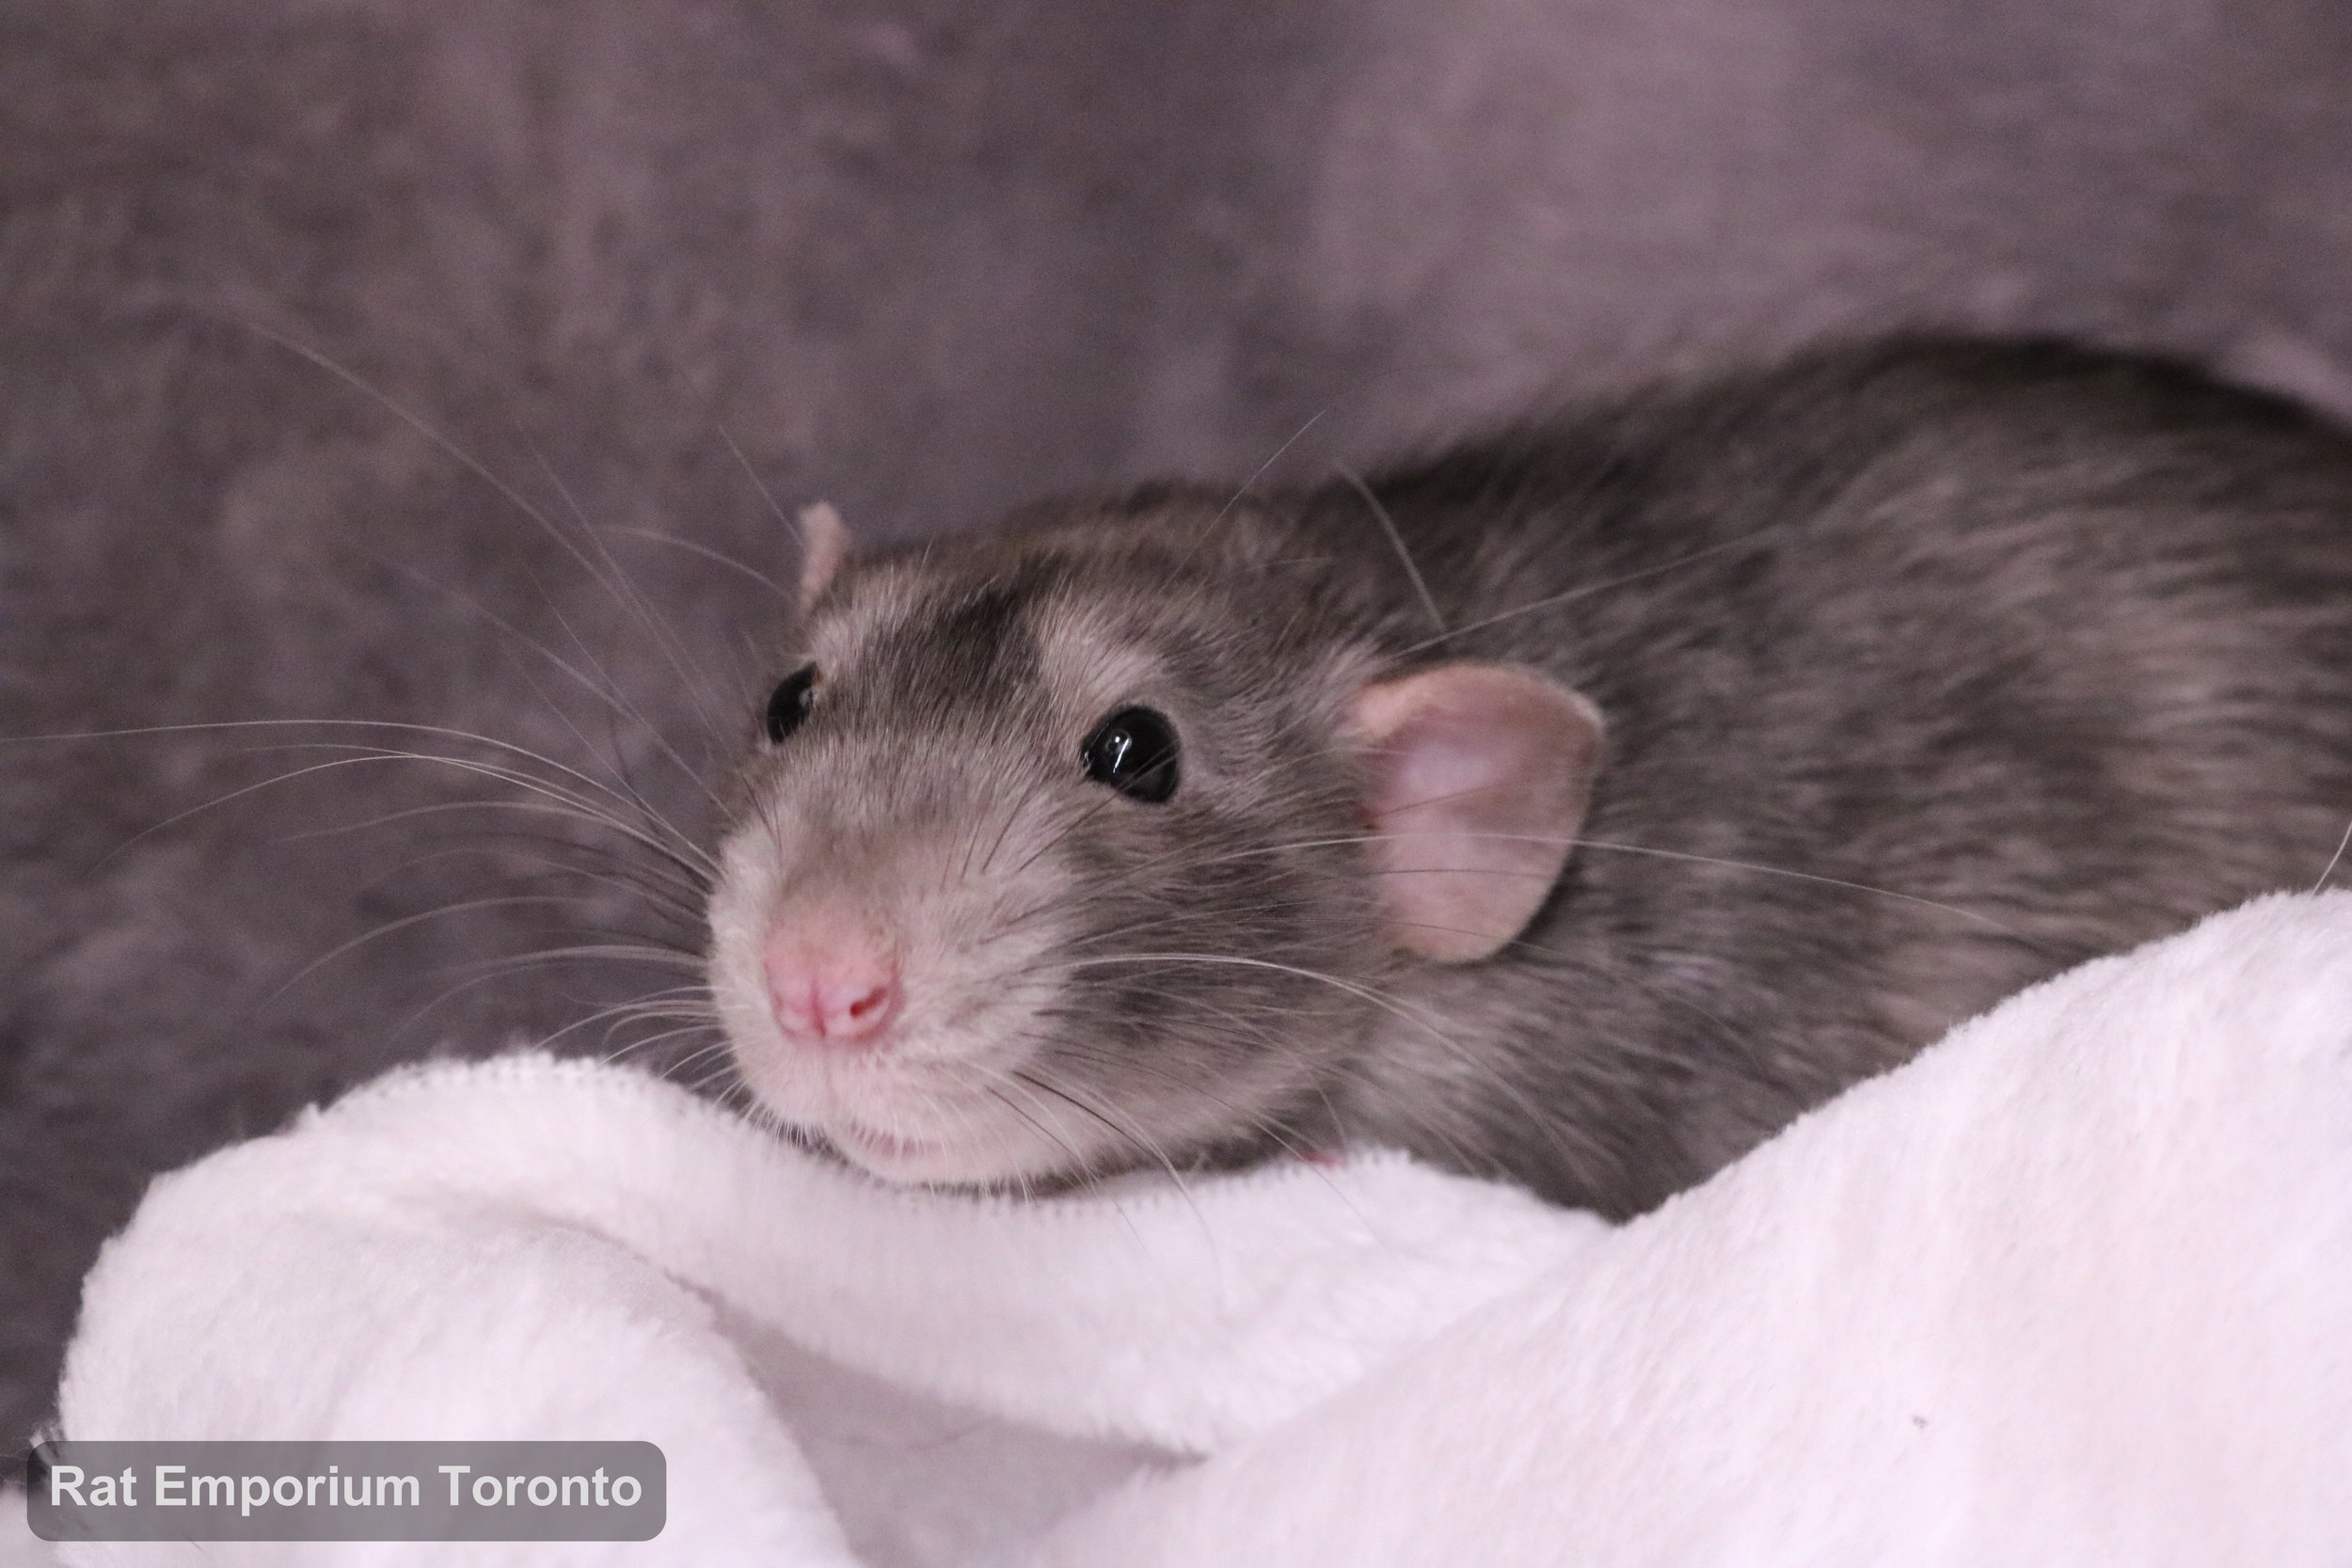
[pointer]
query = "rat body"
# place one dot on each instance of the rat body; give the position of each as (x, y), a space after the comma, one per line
(1702, 752)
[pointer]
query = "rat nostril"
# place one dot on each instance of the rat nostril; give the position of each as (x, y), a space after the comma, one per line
(856, 1006)
(829, 981)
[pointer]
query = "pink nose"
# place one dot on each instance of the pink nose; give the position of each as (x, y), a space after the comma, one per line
(829, 980)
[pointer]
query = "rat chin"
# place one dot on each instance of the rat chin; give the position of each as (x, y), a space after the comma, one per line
(916, 1162)
(977, 1145)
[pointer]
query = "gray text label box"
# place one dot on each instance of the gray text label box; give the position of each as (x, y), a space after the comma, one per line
(361, 1491)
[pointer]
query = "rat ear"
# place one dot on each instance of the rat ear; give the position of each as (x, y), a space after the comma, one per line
(824, 546)
(1480, 776)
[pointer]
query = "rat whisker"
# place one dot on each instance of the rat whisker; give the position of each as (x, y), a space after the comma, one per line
(1396, 542)
(391, 927)
(617, 582)
(2334, 860)
(355, 753)
(1584, 590)
(1247, 484)
(1601, 844)
(660, 839)
(617, 702)
(791, 523)
(619, 952)
(1143, 1143)
(594, 679)
(1386, 1003)
(668, 896)
(716, 557)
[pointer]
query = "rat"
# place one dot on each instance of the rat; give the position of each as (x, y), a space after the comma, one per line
(1575, 807)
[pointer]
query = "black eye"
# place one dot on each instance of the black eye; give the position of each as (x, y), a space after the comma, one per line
(789, 703)
(1133, 752)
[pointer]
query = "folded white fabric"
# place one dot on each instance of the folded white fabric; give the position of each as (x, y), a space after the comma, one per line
(2075, 1287)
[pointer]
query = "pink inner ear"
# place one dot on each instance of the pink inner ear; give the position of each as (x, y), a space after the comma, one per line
(1481, 774)
(824, 546)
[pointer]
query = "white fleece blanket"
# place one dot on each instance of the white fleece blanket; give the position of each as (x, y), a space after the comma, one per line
(2073, 1287)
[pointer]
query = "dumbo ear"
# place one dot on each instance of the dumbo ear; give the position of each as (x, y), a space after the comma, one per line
(1480, 776)
(824, 546)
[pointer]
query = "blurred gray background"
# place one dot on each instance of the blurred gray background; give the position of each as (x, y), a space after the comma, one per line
(306, 309)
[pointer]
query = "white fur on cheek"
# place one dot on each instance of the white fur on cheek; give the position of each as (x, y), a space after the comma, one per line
(746, 891)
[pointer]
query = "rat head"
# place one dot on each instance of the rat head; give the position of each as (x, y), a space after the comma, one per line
(1080, 846)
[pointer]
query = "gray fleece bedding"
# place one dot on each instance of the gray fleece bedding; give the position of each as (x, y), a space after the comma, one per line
(326, 328)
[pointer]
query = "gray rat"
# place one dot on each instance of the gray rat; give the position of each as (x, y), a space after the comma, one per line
(1575, 807)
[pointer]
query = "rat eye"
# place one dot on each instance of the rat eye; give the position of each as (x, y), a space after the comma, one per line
(1133, 752)
(789, 703)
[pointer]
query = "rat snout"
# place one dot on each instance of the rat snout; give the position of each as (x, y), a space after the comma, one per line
(832, 979)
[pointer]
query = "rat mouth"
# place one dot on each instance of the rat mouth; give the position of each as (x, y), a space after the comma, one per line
(974, 1158)
(870, 1145)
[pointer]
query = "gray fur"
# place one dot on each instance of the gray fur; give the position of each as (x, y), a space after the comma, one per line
(1928, 668)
